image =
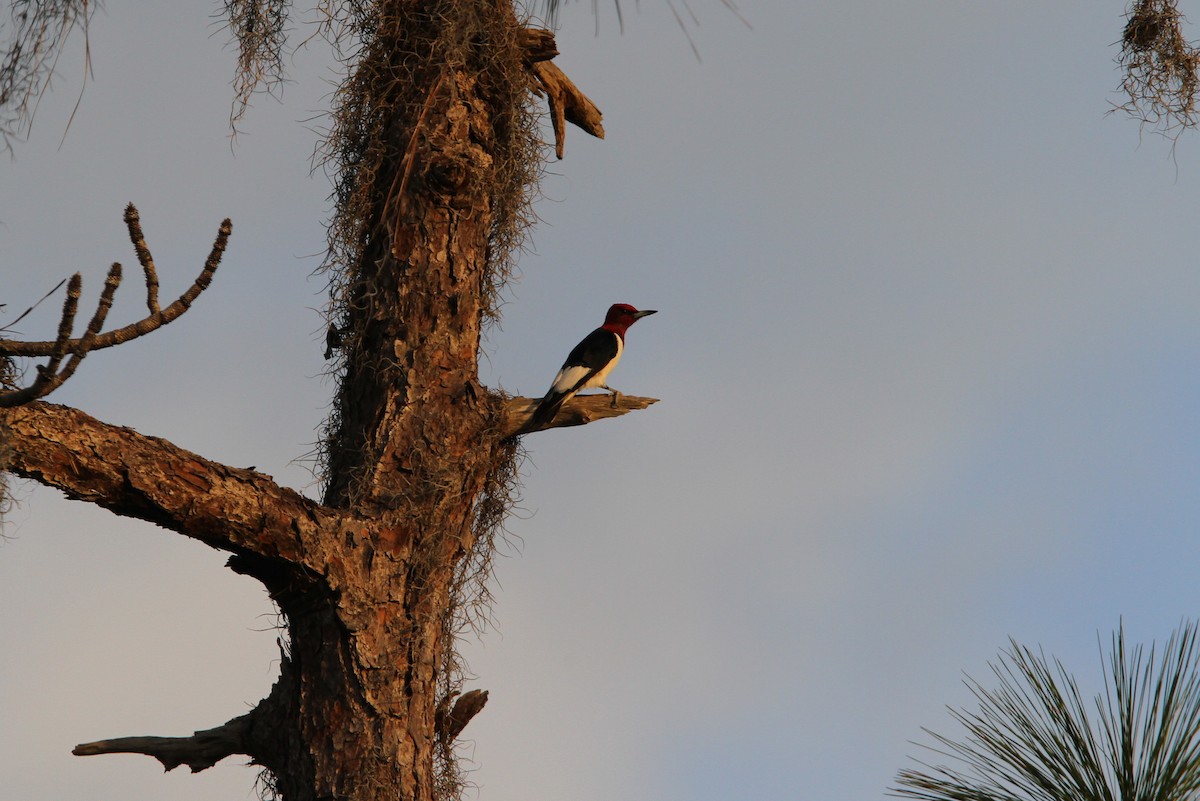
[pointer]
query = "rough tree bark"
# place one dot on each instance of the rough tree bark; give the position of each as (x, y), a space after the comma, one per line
(367, 580)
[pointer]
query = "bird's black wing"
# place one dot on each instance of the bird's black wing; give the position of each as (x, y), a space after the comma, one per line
(593, 352)
(584, 361)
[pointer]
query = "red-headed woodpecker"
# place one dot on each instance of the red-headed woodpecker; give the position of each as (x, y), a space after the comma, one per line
(590, 362)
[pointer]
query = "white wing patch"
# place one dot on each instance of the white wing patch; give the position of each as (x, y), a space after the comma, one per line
(572, 374)
(567, 378)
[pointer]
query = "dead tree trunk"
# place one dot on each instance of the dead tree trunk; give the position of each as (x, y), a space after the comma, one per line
(414, 438)
(435, 147)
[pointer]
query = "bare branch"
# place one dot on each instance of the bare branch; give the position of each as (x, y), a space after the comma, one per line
(567, 104)
(134, 475)
(256, 734)
(133, 221)
(66, 325)
(50, 377)
(156, 319)
(580, 410)
(89, 335)
(200, 751)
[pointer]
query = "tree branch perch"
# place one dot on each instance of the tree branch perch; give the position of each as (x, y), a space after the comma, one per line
(580, 410)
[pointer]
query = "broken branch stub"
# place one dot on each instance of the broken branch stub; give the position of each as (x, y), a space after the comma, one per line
(567, 103)
(538, 44)
(199, 752)
(580, 410)
(450, 721)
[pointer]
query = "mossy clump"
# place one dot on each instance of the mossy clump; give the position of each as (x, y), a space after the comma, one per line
(1160, 68)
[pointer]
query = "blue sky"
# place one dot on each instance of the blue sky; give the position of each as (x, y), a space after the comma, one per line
(927, 351)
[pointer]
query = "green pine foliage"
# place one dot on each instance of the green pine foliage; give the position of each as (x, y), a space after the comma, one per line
(1034, 737)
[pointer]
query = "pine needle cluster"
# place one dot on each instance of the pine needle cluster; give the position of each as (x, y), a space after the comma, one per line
(1034, 737)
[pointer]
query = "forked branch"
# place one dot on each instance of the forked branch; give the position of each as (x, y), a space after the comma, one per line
(59, 368)
(567, 103)
(54, 372)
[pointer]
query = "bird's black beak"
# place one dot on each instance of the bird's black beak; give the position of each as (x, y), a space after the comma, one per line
(644, 313)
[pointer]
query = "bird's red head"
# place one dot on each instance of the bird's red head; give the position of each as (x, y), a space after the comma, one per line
(622, 315)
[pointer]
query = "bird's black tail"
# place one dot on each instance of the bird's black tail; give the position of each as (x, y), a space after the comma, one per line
(546, 410)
